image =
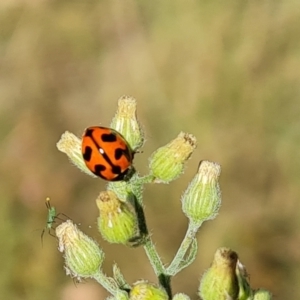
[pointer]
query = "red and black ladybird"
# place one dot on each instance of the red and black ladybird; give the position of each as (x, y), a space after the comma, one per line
(106, 153)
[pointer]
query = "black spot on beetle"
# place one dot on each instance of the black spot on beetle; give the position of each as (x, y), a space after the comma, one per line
(89, 132)
(87, 153)
(98, 169)
(118, 153)
(108, 137)
(116, 169)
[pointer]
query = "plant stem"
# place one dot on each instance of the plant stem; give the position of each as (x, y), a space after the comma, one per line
(184, 247)
(136, 198)
(158, 266)
(107, 282)
(147, 179)
(154, 257)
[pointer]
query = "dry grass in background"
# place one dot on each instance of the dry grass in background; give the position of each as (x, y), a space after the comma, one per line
(227, 72)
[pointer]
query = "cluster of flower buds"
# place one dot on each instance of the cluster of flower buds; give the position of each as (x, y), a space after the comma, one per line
(121, 216)
(227, 278)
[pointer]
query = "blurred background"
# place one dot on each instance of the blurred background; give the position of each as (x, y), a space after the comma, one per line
(226, 71)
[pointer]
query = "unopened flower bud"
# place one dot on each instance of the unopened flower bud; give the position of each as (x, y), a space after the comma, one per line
(117, 221)
(181, 296)
(220, 281)
(70, 144)
(125, 122)
(167, 162)
(83, 257)
(245, 291)
(202, 199)
(144, 290)
(262, 295)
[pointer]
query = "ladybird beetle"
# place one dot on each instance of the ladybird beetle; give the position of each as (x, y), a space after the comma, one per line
(106, 153)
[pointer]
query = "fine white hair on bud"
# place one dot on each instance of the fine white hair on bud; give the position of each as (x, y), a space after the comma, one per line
(83, 257)
(125, 121)
(167, 162)
(202, 199)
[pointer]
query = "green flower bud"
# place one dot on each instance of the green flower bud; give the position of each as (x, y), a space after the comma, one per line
(71, 145)
(202, 199)
(125, 122)
(167, 162)
(262, 295)
(181, 296)
(144, 290)
(117, 222)
(245, 291)
(83, 257)
(220, 281)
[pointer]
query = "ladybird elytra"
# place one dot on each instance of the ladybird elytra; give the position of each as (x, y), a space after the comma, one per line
(106, 153)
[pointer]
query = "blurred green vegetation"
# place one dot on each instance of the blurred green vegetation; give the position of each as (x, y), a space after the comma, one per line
(226, 71)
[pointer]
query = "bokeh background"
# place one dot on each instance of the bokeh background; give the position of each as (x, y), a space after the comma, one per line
(226, 71)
